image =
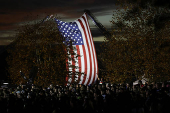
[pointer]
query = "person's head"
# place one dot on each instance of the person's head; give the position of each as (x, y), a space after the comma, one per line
(103, 86)
(95, 94)
(91, 90)
(10, 90)
(79, 85)
(88, 88)
(147, 93)
(51, 86)
(112, 88)
(108, 91)
(98, 79)
(59, 89)
(139, 82)
(99, 86)
(149, 87)
(18, 87)
(117, 90)
(158, 85)
(51, 91)
(163, 84)
(33, 86)
(121, 90)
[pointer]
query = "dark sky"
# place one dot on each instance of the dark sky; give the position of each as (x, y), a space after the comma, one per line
(14, 13)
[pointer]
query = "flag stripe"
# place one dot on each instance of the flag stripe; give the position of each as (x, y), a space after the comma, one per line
(89, 71)
(94, 55)
(70, 68)
(79, 61)
(76, 62)
(89, 49)
(83, 64)
(84, 57)
(73, 64)
(67, 68)
(91, 52)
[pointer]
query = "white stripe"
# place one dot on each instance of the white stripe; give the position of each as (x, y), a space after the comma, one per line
(70, 68)
(88, 39)
(86, 49)
(76, 62)
(89, 52)
(82, 63)
(94, 52)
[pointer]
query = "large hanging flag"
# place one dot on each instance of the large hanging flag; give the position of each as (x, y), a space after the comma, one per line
(78, 32)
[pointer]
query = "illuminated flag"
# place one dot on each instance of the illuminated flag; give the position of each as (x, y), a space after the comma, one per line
(79, 33)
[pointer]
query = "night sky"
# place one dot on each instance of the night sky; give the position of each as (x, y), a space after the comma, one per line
(14, 13)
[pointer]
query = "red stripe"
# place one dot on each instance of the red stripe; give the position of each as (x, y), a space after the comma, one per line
(85, 63)
(83, 27)
(66, 68)
(92, 55)
(73, 64)
(79, 61)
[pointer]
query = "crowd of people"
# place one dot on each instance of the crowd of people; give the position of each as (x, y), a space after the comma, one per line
(98, 98)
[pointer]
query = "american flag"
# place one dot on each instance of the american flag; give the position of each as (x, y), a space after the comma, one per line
(78, 32)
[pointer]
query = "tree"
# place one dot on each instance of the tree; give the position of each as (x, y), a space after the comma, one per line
(139, 46)
(38, 52)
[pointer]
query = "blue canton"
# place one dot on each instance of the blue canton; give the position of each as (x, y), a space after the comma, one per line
(71, 32)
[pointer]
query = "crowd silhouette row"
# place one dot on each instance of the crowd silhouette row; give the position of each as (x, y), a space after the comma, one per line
(97, 98)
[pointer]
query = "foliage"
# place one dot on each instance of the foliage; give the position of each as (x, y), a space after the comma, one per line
(38, 52)
(136, 47)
